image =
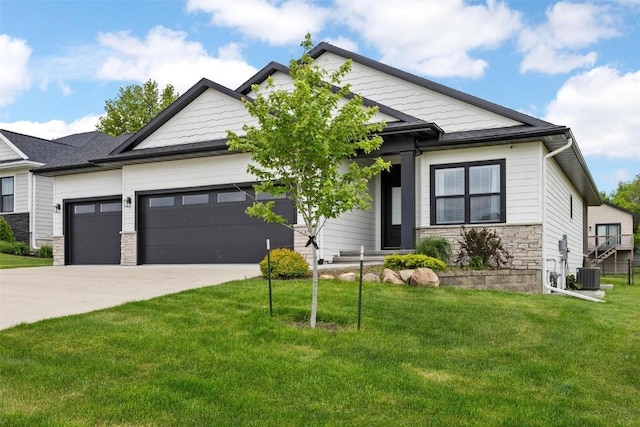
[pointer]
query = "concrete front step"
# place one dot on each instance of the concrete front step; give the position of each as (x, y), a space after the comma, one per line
(351, 257)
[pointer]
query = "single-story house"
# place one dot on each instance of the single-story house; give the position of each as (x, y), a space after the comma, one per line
(26, 199)
(610, 239)
(174, 193)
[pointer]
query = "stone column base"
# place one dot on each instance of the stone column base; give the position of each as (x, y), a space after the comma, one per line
(128, 248)
(58, 250)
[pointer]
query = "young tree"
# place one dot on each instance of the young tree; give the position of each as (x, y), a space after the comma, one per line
(135, 106)
(304, 146)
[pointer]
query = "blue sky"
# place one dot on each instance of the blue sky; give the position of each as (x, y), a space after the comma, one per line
(571, 63)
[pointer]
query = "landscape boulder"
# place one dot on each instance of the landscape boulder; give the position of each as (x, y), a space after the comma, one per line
(390, 276)
(424, 277)
(326, 277)
(370, 277)
(347, 277)
(406, 275)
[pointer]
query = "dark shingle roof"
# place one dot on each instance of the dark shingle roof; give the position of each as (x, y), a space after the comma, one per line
(36, 149)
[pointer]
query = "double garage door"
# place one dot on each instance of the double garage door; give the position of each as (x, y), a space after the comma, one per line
(196, 227)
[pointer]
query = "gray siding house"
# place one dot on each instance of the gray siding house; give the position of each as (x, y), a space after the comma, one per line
(173, 193)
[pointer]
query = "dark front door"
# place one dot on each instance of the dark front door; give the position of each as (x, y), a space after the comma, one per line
(206, 227)
(93, 232)
(391, 208)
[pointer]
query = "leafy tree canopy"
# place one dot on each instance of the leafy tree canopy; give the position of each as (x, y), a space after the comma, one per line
(305, 143)
(134, 107)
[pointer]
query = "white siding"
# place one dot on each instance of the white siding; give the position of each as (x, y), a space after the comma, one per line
(20, 188)
(7, 153)
(182, 174)
(44, 207)
(208, 117)
(522, 163)
(450, 114)
(282, 81)
(77, 186)
(559, 222)
(351, 229)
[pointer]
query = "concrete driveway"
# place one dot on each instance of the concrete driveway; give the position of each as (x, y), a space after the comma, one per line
(31, 294)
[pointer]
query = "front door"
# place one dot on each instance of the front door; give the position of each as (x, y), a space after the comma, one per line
(391, 208)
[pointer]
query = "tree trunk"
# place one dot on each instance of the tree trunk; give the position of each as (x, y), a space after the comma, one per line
(314, 292)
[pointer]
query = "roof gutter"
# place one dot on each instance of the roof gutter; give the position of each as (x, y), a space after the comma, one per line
(544, 229)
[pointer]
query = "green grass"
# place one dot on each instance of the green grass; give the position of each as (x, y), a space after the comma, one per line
(14, 261)
(445, 356)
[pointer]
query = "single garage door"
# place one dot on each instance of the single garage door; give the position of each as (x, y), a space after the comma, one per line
(207, 227)
(93, 232)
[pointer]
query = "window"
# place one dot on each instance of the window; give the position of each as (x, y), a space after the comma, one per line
(195, 199)
(232, 196)
(160, 202)
(6, 194)
(84, 209)
(608, 234)
(269, 196)
(111, 207)
(469, 193)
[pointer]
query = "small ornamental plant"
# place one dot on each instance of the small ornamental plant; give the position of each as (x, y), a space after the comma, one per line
(436, 247)
(482, 248)
(285, 264)
(6, 234)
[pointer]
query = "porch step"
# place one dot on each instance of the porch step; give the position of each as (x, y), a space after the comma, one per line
(353, 257)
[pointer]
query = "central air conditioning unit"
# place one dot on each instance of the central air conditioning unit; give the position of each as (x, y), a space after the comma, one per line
(589, 278)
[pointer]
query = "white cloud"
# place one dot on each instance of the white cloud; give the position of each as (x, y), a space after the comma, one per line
(276, 22)
(437, 38)
(344, 43)
(14, 74)
(53, 128)
(167, 57)
(554, 46)
(601, 107)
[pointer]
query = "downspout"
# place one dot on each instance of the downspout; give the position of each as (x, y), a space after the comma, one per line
(544, 228)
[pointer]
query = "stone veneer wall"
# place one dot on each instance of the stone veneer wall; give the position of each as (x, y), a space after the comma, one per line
(528, 281)
(524, 242)
(300, 240)
(128, 248)
(19, 223)
(58, 250)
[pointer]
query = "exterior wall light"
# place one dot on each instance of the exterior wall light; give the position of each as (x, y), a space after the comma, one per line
(56, 208)
(127, 202)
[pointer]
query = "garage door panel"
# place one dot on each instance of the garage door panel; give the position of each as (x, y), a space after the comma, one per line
(93, 233)
(208, 233)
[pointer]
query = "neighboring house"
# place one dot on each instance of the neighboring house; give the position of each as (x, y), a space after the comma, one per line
(173, 193)
(610, 241)
(26, 199)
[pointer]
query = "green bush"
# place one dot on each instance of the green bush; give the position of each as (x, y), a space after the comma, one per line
(6, 234)
(436, 247)
(412, 261)
(45, 251)
(20, 248)
(285, 264)
(6, 247)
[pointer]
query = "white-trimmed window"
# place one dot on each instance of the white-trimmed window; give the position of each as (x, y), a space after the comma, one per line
(7, 194)
(468, 193)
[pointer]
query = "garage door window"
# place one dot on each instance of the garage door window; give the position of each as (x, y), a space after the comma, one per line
(111, 207)
(160, 202)
(269, 196)
(84, 209)
(232, 196)
(195, 199)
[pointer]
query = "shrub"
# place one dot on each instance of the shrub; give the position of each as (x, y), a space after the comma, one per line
(285, 264)
(45, 251)
(6, 247)
(6, 234)
(481, 245)
(20, 248)
(411, 261)
(436, 247)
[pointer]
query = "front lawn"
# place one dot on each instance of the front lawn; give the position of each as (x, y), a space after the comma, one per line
(445, 356)
(14, 261)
